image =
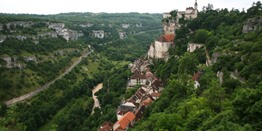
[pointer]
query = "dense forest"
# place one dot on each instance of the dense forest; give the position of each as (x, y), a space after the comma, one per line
(231, 101)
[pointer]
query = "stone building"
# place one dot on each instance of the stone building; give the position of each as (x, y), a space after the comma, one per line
(189, 13)
(160, 48)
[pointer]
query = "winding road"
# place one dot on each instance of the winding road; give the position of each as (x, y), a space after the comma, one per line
(41, 88)
(96, 101)
(85, 53)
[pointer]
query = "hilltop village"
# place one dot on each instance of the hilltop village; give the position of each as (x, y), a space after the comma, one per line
(149, 86)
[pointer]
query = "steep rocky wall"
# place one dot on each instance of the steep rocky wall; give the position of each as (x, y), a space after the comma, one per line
(252, 24)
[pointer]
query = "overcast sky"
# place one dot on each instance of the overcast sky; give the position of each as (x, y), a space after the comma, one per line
(112, 6)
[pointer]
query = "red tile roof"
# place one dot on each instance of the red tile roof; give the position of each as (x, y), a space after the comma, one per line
(124, 121)
(166, 38)
(147, 102)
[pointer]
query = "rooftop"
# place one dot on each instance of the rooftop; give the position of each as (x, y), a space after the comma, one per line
(124, 121)
(166, 38)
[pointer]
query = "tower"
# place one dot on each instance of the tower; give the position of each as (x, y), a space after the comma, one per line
(196, 5)
(196, 11)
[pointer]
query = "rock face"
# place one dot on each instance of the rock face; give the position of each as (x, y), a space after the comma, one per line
(122, 35)
(169, 27)
(11, 62)
(215, 57)
(48, 34)
(24, 24)
(30, 58)
(191, 47)
(125, 26)
(2, 38)
(220, 75)
(98, 34)
(59, 29)
(159, 49)
(252, 24)
(65, 33)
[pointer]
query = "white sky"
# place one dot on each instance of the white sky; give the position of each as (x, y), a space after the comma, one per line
(112, 6)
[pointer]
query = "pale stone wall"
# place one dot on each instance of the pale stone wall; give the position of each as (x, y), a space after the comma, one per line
(166, 15)
(151, 51)
(159, 49)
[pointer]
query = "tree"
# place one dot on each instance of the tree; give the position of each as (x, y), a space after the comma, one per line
(215, 95)
(201, 36)
(188, 63)
(173, 13)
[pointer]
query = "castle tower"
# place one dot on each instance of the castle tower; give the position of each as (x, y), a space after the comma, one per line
(196, 5)
(196, 11)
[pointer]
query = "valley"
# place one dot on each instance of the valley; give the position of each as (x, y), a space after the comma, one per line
(181, 70)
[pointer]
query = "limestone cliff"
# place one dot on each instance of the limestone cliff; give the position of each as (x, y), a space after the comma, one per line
(159, 49)
(252, 24)
(13, 29)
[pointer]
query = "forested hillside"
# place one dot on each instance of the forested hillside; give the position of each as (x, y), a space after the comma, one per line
(212, 77)
(227, 67)
(36, 49)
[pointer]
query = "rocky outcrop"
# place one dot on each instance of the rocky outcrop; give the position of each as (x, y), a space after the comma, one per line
(252, 24)
(125, 26)
(11, 62)
(59, 29)
(30, 58)
(2, 38)
(56, 26)
(122, 35)
(220, 76)
(169, 27)
(215, 57)
(24, 24)
(51, 34)
(98, 34)
(191, 47)
(65, 33)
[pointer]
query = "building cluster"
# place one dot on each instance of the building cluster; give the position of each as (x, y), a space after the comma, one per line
(189, 13)
(131, 110)
(149, 86)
